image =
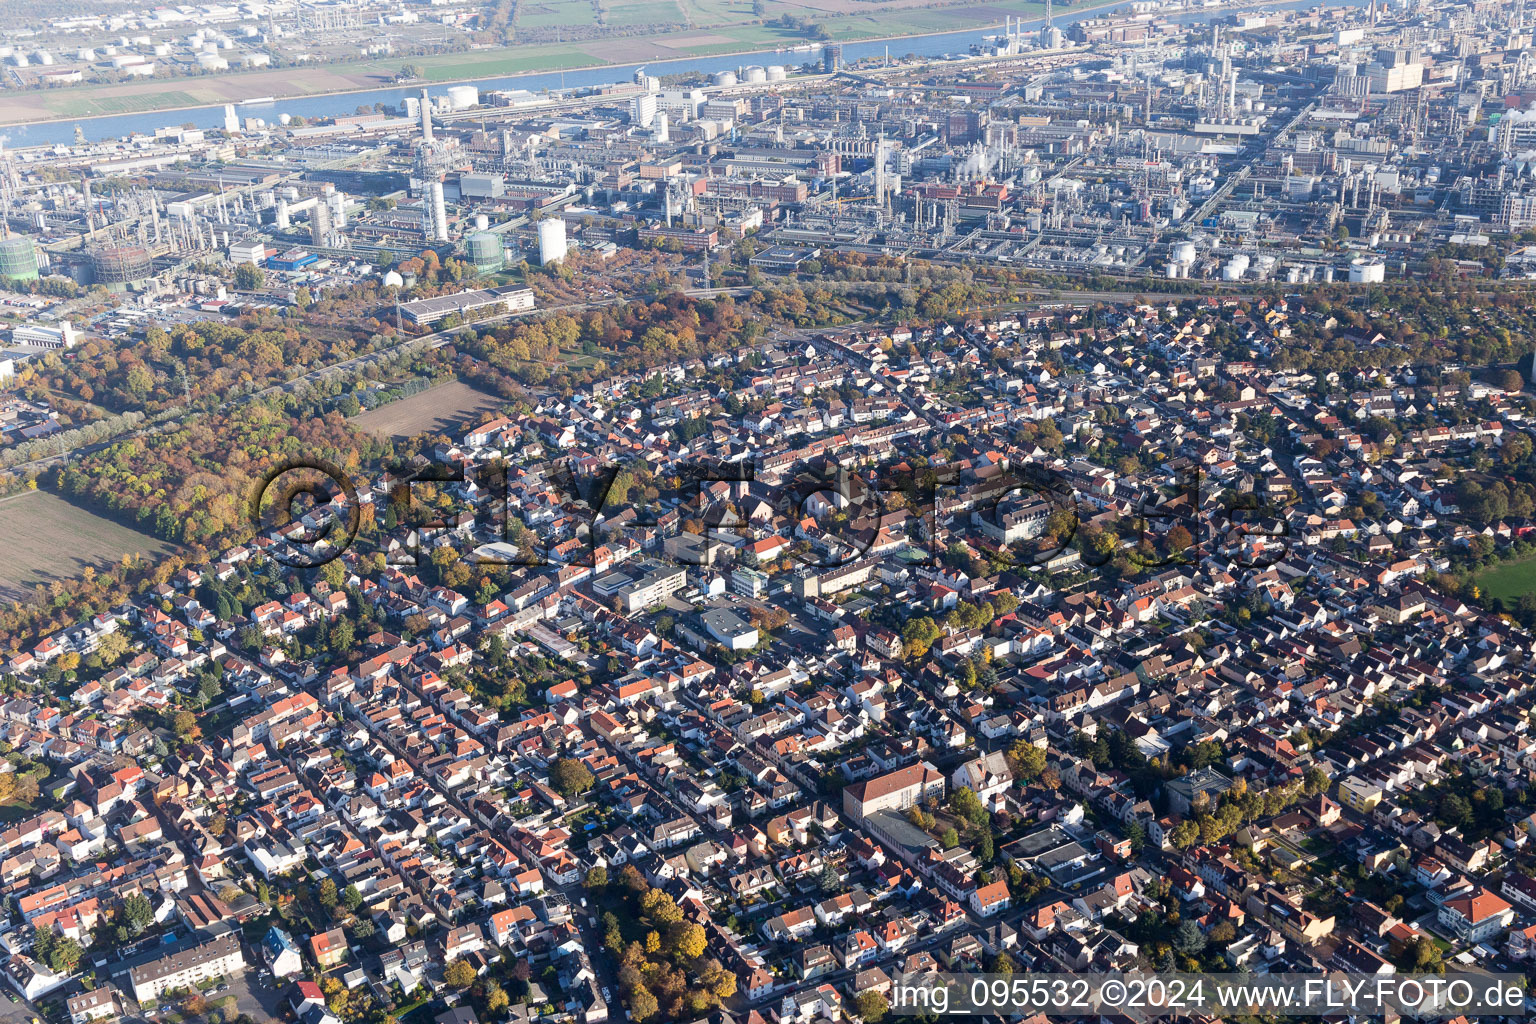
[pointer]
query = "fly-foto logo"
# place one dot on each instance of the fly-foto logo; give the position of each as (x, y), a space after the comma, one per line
(569, 512)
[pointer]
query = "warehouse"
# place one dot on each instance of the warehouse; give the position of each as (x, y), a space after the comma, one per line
(424, 312)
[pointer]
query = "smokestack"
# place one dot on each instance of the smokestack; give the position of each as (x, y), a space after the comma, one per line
(426, 118)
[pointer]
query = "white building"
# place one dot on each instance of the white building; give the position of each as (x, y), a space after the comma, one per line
(93, 1005)
(1476, 915)
(35, 336)
(247, 252)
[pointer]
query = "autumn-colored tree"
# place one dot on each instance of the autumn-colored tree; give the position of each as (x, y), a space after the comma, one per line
(459, 974)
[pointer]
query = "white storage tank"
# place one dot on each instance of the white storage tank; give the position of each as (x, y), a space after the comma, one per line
(461, 97)
(1184, 252)
(1235, 268)
(725, 78)
(551, 241)
(1363, 271)
(777, 73)
(754, 73)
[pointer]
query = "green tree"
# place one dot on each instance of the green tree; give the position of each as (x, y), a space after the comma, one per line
(642, 1004)
(1026, 760)
(872, 1006)
(918, 635)
(248, 277)
(570, 777)
(138, 914)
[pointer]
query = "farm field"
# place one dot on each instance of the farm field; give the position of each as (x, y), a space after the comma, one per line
(48, 538)
(679, 28)
(438, 409)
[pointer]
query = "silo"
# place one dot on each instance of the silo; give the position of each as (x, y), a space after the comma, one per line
(482, 222)
(337, 202)
(120, 266)
(18, 259)
(485, 252)
(438, 211)
(551, 241)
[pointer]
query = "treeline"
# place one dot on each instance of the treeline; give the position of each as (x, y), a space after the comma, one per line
(90, 433)
(193, 484)
(625, 338)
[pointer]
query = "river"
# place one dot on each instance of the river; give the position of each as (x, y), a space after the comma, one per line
(116, 126)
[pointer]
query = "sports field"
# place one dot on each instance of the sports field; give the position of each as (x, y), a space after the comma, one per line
(440, 409)
(47, 538)
(1509, 580)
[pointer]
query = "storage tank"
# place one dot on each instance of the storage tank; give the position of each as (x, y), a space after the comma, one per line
(482, 222)
(18, 259)
(462, 96)
(776, 73)
(551, 241)
(1362, 271)
(119, 266)
(1235, 268)
(725, 78)
(754, 73)
(1183, 252)
(485, 251)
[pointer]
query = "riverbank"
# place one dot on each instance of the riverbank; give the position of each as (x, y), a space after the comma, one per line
(480, 66)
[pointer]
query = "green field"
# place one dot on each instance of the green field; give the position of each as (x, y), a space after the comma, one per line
(48, 538)
(681, 28)
(1509, 580)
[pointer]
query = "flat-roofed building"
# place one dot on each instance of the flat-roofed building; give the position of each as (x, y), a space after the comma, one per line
(424, 312)
(185, 967)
